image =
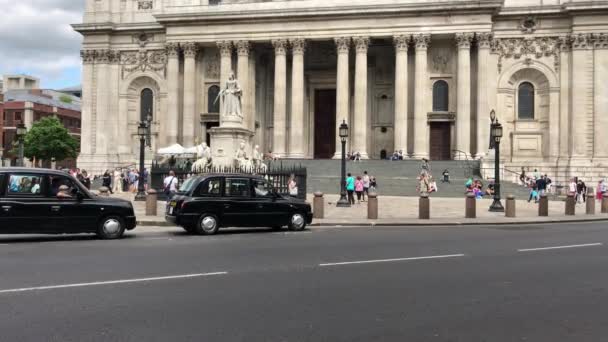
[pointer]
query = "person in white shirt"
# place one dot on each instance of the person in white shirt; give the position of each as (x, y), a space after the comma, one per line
(170, 185)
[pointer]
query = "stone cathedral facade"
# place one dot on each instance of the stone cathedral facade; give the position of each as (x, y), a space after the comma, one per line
(419, 76)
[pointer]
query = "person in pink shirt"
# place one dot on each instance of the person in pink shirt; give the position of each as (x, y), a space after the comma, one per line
(359, 188)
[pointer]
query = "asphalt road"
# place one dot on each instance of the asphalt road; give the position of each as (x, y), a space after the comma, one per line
(528, 283)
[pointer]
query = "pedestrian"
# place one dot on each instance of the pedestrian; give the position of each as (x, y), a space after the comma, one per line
(522, 177)
(359, 188)
(541, 185)
(146, 176)
(598, 192)
(350, 188)
(170, 185)
(366, 185)
(423, 184)
(86, 180)
(292, 186)
(581, 191)
(424, 166)
(572, 187)
(106, 181)
(549, 183)
(446, 176)
(533, 194)
(117, 186)
(373, 184)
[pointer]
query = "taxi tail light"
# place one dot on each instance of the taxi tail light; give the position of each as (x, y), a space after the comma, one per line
(183, 205)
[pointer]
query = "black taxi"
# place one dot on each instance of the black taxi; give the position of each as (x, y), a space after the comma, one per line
(44, 201)
(203, 204)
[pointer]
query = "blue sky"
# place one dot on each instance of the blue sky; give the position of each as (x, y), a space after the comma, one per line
(36, 39)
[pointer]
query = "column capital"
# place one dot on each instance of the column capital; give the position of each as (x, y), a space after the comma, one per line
(88, 56)
(242, 47)
(298, 46)
(225, 47)
(463, 40)
(280, 46)
(402, 42)
(484, 40)
(582, 41)
(190, 49)
(600, 40)
(342, 44)
(422, 40)
(102, 56)
(361, 44)
(172, 50)
(565, 43)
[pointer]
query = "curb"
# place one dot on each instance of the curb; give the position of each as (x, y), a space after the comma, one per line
(412, 224)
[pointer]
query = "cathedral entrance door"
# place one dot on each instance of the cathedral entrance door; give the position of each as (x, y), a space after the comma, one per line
(325, 123)
(440, 141)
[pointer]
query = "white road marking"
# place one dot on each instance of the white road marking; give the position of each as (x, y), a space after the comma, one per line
(111, 282)
(391, 260)
(560, 247)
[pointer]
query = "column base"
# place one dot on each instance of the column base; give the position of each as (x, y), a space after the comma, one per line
(296, 156)
(418, 155)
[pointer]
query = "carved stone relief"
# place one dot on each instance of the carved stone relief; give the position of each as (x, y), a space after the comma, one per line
(143, 60)
(528, 49)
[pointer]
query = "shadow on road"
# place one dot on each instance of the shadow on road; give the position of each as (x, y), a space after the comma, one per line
(10, 239)
(233, 231)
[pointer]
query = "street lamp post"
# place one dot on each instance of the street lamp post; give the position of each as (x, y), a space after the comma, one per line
(142, 132)
(343, 132)
(495, 135)
(20, 133)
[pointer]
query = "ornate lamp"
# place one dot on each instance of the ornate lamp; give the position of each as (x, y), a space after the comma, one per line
(343, 133)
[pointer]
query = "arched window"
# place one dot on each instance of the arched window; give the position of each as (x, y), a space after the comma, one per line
(525, 101)
(147, 104)
(212, 106)
(440, 96)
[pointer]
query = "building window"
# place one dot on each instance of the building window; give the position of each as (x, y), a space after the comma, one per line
(440, 96)
(214, 2)
(212, 105)
(525, 101)
(147, 104)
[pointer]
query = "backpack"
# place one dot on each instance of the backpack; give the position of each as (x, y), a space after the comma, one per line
(167, 189)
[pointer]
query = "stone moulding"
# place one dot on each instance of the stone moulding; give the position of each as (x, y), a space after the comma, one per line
(528, 49)
(143, 60)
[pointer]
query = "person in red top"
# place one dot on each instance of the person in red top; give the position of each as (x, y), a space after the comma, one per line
(359, 188)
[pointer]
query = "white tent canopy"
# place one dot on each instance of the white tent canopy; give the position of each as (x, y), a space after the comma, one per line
(191, 150)
(173, 149)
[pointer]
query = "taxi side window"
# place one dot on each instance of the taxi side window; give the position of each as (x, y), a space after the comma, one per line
(211, 187)
(61, 187)
(237, 187)
(24, 185)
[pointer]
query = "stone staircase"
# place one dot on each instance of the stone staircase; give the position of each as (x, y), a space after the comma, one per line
(395, 178)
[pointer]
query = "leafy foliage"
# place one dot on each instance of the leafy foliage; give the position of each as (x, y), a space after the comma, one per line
(48, 139)
(65, 99)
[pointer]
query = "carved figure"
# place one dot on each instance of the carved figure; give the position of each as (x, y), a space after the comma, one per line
(231, 95)
(240, 158)
(203, 155)
(257, 159)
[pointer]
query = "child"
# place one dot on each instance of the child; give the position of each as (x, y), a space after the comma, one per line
(533, 194)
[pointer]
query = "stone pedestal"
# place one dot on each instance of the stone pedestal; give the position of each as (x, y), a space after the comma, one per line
(225, 141)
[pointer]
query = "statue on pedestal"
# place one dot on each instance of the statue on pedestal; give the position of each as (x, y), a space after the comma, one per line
(241, 160)
(257, 159)
(231, 95)
(203, 154)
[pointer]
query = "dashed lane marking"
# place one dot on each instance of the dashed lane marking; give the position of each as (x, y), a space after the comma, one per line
(560, 247)
(391, 260)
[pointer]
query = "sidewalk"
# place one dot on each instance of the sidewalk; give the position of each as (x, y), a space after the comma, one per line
(393, 211)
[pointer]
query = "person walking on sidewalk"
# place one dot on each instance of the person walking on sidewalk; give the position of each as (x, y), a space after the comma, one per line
(366, 185)
(359, 188)
(106, 181)
(170, 185)
(350, 188)
(541, 184)
(581, 191)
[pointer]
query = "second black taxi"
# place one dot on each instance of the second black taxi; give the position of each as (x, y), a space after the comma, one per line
(206, 203)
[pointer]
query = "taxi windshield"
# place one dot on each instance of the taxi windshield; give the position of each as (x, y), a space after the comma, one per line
(187, 185)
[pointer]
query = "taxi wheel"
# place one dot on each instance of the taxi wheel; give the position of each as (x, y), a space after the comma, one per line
(297, 222)
(207, 225)
(111, 227)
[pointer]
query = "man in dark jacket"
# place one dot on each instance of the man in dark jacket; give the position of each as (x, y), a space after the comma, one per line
(541, 185)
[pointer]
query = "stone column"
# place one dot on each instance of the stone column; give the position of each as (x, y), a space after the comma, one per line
(601, 95)
(113, 130)
(172, 117)
(225, 48)
(582, 98)
(565, 48)
(400, 128)
(483, 108)
(103, 101)
(280, 97)
(421, 127)
(87, 125)
(342, 89)
(242, 48)
(189, 123)
(463, 115)
(297, 144)
(360, 124)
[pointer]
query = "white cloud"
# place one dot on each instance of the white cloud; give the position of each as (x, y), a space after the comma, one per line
(36, 37)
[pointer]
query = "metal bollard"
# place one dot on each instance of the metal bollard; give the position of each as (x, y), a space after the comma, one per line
(470, 206)
(424, 207)
(372, 206)
(104, 191)
(318, 206)
(590, 201)
(543, 205)
(570, 205)
(510, 206)
(151, 202)
(604, 204)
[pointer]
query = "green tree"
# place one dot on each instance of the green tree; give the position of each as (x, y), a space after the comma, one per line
(65, 99)
(48, 139)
